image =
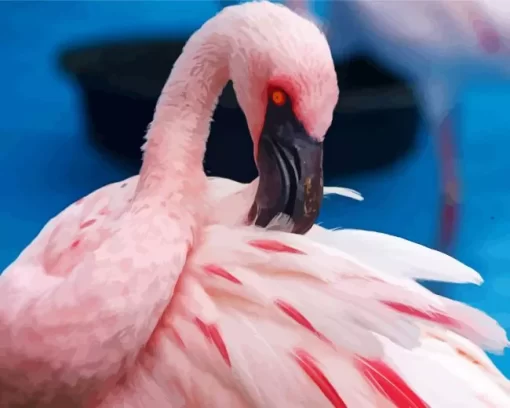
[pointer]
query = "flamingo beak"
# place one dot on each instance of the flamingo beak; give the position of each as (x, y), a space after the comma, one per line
(290, 175)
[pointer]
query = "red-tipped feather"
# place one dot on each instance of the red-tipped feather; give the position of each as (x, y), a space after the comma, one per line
(87, 223)
(219, 271)
(299, 318)
(212, 334)
(308, 365)
(274, 246)
(390, 384)
(432, 316)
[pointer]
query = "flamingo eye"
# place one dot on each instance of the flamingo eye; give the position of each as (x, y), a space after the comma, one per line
(278, 96)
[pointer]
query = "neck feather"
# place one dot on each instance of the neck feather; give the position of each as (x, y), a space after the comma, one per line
(176, 139)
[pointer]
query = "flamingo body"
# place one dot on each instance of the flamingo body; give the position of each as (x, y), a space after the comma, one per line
(326, 301)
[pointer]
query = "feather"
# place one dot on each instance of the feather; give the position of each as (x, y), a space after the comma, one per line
(397, 256)
(342, 191)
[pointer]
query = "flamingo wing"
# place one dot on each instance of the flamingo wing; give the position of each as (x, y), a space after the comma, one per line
(269, 319)
(76, 310)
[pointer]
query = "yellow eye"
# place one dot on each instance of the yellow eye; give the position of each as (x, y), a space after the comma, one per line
(278, 97)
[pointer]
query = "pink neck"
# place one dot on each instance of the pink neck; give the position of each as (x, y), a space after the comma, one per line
(176, 139)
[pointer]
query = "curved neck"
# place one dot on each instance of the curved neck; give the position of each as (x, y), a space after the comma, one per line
(176, 139)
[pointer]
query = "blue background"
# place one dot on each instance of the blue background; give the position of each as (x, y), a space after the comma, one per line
(46, 161)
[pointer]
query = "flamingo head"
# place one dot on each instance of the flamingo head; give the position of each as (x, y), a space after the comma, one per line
(285, 82)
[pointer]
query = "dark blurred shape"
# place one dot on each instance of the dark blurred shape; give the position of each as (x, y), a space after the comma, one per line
(374, 125)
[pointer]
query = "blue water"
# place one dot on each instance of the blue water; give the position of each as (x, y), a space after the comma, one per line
(46, 161)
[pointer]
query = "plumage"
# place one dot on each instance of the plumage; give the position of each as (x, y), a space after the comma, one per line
(261, 318)
(157, 291)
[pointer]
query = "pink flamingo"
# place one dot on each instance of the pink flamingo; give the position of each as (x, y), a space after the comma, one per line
(145, 294)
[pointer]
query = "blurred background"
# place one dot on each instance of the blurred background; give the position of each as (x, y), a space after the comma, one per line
(80, 80)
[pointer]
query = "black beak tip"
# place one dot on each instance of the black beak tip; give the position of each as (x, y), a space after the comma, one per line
(298, 212)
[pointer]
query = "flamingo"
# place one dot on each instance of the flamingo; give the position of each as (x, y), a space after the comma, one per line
(145, 294)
